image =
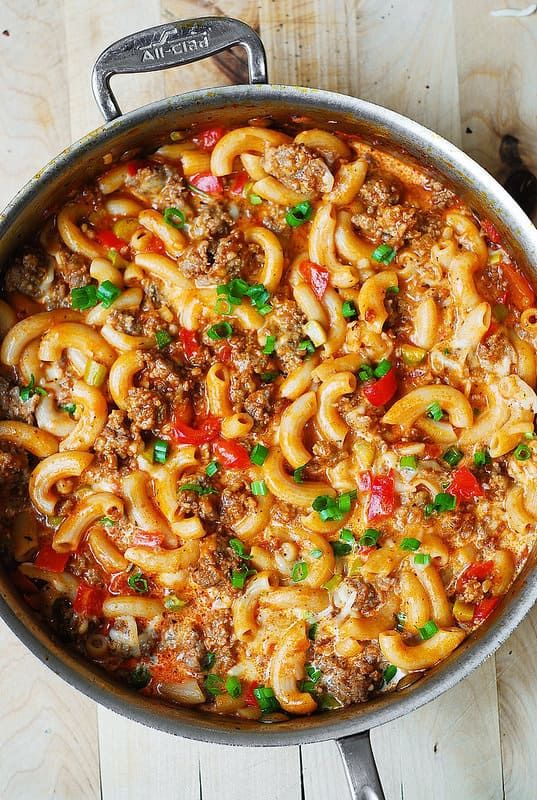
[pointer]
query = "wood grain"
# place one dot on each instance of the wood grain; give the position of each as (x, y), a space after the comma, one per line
(446, 64)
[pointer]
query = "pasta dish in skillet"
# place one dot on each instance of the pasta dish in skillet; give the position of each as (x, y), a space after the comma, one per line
(267, 439)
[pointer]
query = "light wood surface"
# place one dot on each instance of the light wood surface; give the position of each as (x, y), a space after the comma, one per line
(445, 63)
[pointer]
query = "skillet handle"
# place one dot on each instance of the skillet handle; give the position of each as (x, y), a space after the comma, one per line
(360, 767)
(171, 45)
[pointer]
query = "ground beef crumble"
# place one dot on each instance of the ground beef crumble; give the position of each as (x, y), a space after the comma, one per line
(349, 680)
(118, 442)
(299, 168)
(145, 409)
(14, 475)
(216, 562)
(26, 273)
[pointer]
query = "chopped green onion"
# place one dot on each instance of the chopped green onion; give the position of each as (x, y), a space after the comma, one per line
(327, 702)
(137, 582)
(434, 411)
(265, 309)
(160, 451)
(428, 630)
(422, 558)
(392, 290)
(382, 368)
(452, 456)
(214, 684)
(239, 577)
(222, 330)
(314, 676)
(270, 345)
(348, 310)
(162, 339)
(26, 392)
(500, 312)
(299, 572)
(107, 293)
(344, 501)
(223, 306)
(299, 214)
(259, 488)
(408, 462)
(266, 699)
(70, 408)
(233, 686)
(383, 254)
(259, 296)
(259, 454)
(409, 543)
(139, 677)
(445, 502)
(428, 509)
(522, 452)
(268, 377)
(312, 631)
(174, 603)
(198, 488)
(481, 458)
(341, 548)
(369, 538)
(365, 372)
(95, 373)
(84, 297)
(298, 474)
(347, 535)
(255, 199)
(389, 673)
(212, 468)
(208, 660)
(238, 547)
(317, 553)
(106, 521)
(307, 345)
(174, 217)
(333, 583)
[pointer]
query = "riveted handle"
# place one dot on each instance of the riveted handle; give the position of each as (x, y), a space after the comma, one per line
(171, 45)
(360, 767)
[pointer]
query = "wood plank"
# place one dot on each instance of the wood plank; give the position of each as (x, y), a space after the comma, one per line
(263, 773)
(323, 773)
(87, 34)
(138, 763)
(48, 738)
(34, 90)
(496, 59)
(450, 747)
(517, 693)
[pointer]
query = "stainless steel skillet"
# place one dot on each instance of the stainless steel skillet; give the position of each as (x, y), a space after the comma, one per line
(179, 43)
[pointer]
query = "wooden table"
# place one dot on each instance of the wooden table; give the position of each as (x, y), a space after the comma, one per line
(461, 72)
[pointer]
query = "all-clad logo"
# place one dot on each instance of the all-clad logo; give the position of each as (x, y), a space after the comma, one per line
(172, 42)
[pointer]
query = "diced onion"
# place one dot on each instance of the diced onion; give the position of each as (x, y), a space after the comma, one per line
(316, 332)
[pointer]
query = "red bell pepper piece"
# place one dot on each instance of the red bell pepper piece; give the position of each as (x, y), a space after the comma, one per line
(147, 538)
(224, 354)
(464, 485)
(118, 584)
(154, 245)
(248, 694)
(318, 277)
(383, 500)
(109, 239)
(490, 231)
(207, 138)
(89, 600)
(382, 391)
(492, 328)
(520, 290)
(207, 431)
(206, 182)
(189, 341)
(232, 454)
(134, 165)
(481, 570)
(484, 609)
(47, 558)
(240, 179)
